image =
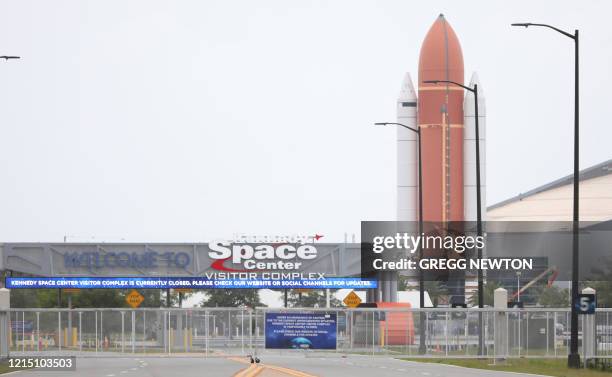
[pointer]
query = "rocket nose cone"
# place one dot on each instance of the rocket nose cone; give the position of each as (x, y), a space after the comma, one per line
(407, 92)
(441, 57)
(476, 81)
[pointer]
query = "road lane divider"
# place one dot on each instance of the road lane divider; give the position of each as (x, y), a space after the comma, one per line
(255, 369)
(251, 371)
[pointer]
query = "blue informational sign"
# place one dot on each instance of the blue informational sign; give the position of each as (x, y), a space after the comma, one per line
(301, 331)
(585, 303)
(22, 326)
(184, 282)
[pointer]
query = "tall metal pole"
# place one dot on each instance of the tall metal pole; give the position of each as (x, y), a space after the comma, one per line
(573, 359)
(422, 348)
(479, 226)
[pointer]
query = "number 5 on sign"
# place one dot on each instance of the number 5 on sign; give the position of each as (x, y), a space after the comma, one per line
(585, 303)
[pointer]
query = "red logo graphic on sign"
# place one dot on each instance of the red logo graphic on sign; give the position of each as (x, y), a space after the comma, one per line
(218, 265)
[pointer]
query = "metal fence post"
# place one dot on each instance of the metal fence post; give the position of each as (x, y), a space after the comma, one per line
(206, 325)
(547, 332)
(466, 337)
(38, 331)
(144, 329)
(520, 319)
(527, 333)
(487, 331)
(427, 332)
(251, 330)
(386, 339)
(447, 314)
(102, 328)
(169, 334)
(96, 320)
(133, 331)
(59, 329)
(583, 341)
(607, 333)
(22, 331)
(80, 331)
(373, 341)
(352, 329)
(122, 332)
(555, 333)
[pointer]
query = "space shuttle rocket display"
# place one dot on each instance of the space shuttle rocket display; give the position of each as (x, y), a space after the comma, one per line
(445, 116)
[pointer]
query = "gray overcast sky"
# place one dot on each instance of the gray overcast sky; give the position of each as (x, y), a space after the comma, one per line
(190, 120)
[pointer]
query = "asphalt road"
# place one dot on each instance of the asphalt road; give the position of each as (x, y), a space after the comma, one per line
(358, 366)
(145, 367)
(363, 366)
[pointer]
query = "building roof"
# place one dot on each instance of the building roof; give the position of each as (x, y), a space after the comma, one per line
(552, 201)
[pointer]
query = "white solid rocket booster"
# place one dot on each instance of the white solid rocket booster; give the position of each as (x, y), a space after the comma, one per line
(469, 152)
(407, 164)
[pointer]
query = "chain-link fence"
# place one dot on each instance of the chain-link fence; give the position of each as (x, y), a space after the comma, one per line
(529, 332)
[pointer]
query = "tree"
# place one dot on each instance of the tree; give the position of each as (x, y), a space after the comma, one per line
(311, 299)
(32, 298)
(488, 292)
(554, 297)
(231, 298)
(85, 298)
(436, 291)
(603, 290)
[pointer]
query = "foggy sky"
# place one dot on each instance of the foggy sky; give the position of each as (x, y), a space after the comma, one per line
(191, 120)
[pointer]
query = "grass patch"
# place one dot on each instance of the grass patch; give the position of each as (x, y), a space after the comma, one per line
(4, 367)
(548, 367)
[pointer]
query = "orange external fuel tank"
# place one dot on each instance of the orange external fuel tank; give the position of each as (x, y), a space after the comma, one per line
(440, 119)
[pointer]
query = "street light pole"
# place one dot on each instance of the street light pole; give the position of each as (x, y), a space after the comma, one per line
(422, 347)
(479, 231)
(7, 57)
(518, 286)
(573, 359)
